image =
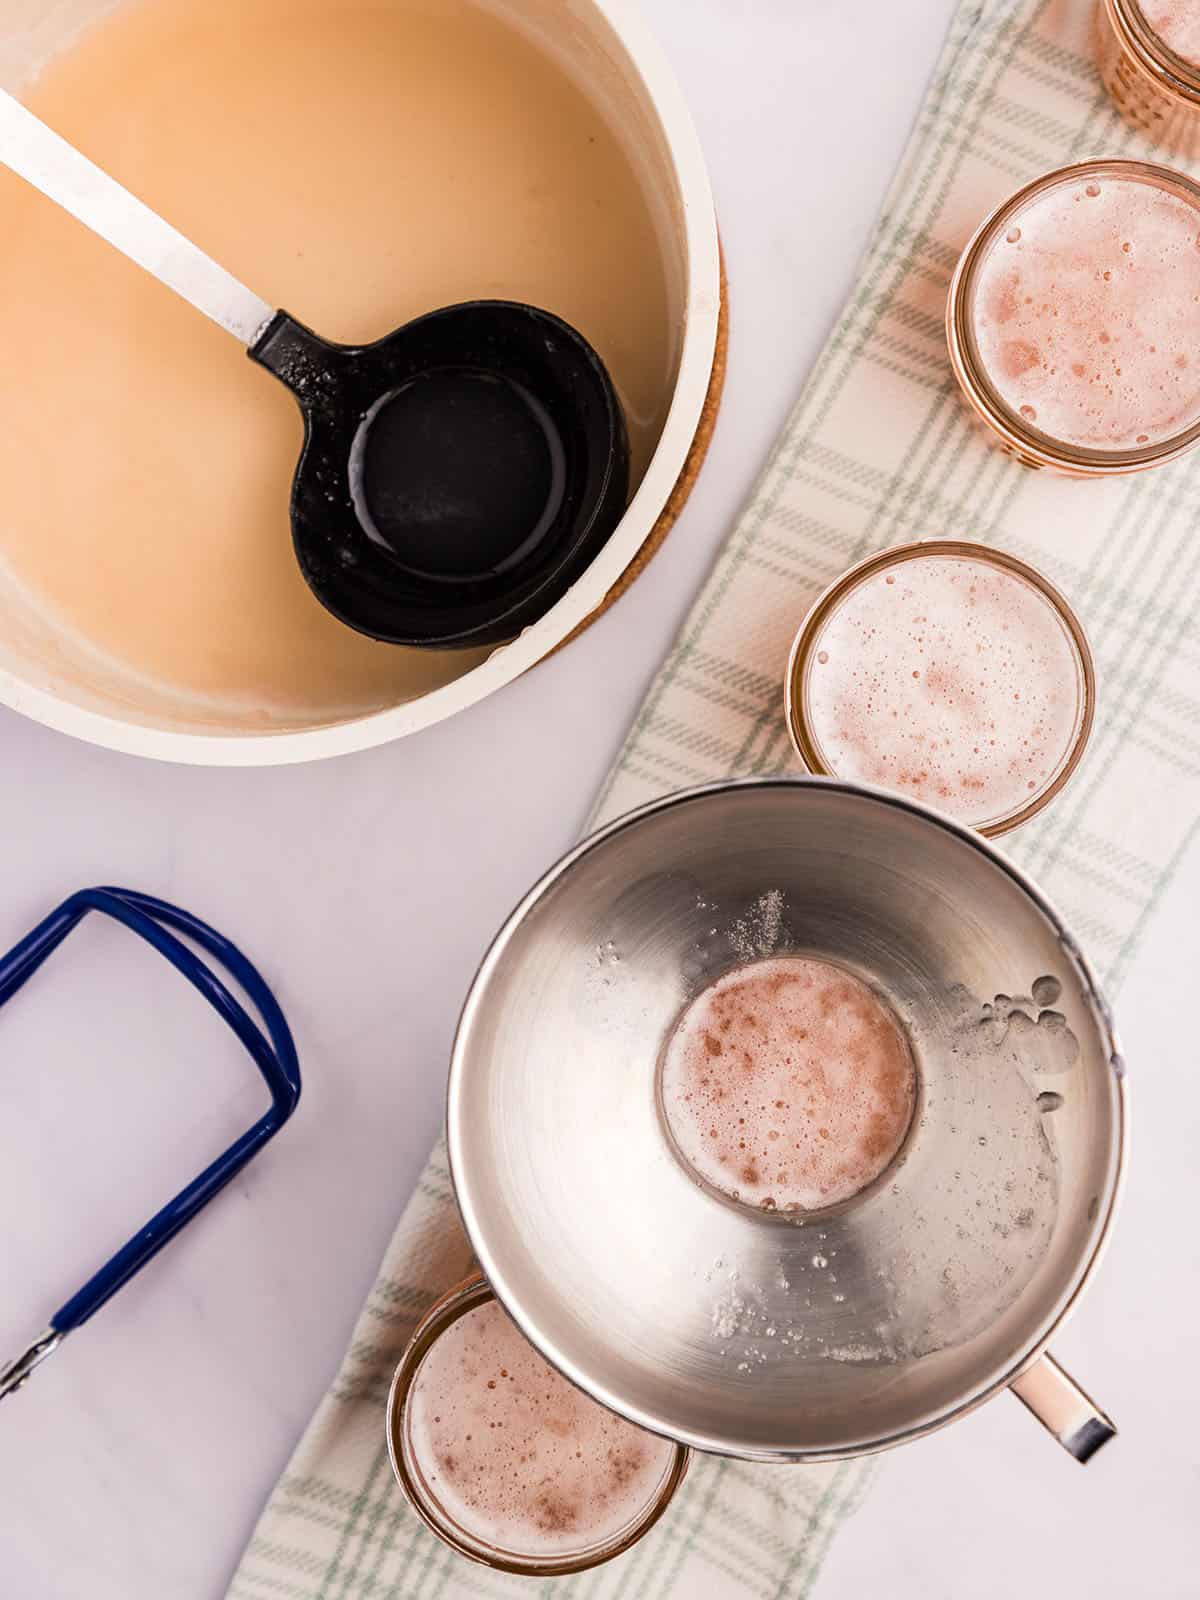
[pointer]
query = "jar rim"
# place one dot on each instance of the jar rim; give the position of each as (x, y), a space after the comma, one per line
(799, 717)
(465, 1296)
(1173, 73)
(1031, 444)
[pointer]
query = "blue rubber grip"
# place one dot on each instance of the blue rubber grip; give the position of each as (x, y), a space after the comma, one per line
(273, 1052)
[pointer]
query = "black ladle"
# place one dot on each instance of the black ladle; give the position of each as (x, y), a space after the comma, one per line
(457, 476)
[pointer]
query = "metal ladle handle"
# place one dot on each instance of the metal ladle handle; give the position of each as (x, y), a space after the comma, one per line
(60, 172)
(1060, 1405)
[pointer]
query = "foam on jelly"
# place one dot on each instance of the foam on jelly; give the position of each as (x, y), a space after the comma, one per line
(1084, 312)
(949, 679)
(1177, 24)
(788, 1084)
(514, 1454)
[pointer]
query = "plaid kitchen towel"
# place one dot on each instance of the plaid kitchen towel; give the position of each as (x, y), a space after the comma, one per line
(879, 449)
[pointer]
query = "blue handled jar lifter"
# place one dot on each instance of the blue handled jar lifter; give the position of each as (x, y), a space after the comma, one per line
(273, 1052)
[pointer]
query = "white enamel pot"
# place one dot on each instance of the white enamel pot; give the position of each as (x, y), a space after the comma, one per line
(606, 46)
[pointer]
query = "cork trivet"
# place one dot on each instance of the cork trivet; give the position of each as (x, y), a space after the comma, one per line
(683, 484)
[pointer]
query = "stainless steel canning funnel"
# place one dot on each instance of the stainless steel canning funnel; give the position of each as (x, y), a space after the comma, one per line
(756, 1334)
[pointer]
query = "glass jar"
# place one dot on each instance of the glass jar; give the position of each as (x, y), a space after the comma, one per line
(1070, 319)
(1156, 89)
(414, 1468)
(994, 718)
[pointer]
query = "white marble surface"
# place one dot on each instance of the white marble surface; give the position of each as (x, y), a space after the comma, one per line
(135, 1464)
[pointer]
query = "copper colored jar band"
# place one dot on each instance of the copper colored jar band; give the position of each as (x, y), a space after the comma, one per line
(1155, 90)
(467, 1296)
(1028, 444)
(799, 719)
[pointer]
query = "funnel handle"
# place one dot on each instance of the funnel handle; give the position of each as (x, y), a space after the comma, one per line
(1061, 1406)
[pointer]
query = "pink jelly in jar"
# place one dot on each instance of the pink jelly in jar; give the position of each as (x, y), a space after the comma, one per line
(788, 1084)
(506, 1461)
(950, 672)
(1073, 314)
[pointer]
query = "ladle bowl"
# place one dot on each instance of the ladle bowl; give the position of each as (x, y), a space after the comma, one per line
(457, 476)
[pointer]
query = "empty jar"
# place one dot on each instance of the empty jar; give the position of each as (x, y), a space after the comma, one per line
(1071, 319)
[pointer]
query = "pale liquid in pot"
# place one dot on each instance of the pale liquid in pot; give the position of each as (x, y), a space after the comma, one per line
(356, 163)
(517, 1456)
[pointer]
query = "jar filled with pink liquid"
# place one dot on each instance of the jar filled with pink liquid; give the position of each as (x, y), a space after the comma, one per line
(1149, 58)
(1073, 315)
(951, 672)
(507, 1462)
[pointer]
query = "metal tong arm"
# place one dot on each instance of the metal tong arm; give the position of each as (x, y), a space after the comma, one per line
(65, 175)
(274, 1053)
